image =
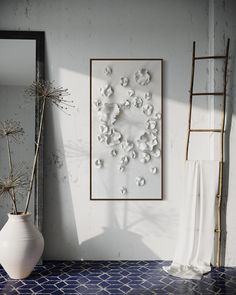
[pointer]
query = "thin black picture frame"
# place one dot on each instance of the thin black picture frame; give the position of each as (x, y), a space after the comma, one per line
(90, 130)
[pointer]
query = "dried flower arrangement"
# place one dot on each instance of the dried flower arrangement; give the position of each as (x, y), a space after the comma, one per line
(17, 180)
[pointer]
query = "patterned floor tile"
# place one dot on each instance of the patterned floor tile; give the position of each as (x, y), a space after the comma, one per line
(115, 278)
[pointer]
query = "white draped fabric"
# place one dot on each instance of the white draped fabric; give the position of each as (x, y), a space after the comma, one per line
(195, 240)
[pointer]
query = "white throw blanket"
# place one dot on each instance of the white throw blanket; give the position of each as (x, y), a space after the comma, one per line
(195, 241)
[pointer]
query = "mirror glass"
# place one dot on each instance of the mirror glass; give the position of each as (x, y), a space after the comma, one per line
(17, 72)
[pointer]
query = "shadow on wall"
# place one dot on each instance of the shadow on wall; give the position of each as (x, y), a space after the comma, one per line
(59, 227)
(117, 239)
(120, 236)
(121, 219)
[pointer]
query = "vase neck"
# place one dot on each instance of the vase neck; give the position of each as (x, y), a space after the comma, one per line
(19, 217)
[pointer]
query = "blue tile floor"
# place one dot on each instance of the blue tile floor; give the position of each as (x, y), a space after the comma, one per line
(115, 277)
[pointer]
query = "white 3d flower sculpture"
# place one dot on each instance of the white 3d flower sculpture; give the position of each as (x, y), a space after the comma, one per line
(124, 81)
(108, 71)
(140, 181)
(142, 77)
(146, 147)
(106, 91)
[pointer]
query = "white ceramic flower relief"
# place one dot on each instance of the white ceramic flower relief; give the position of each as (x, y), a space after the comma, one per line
(158, 116)
(109, 112)
(151, 125)
(114, 138)
(144, 157)
(142, 142)
(148, 95)
(137, 102)
(140, 181)
(137, 144)
(147, 141)
(142, 77)
(131, 92)
(156, 152)
(133, 154)
(106, 91)
(110, 137)
(154, 170)
(126, 104)
(148, 109)
(124, 160)
(153, 143)
(124, 190)
(108, 71)
(99, 163)
(143, 146)
(101, 138)
(104, 128)
(127, 145)
(98, 103)
(114, 153)
(122, 168)
(124, 81)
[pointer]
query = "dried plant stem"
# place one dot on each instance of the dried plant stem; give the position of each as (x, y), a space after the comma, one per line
(9, 156)
(36, 156)
(12, 193)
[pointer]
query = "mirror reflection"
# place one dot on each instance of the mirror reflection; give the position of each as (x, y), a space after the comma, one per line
(17, 72)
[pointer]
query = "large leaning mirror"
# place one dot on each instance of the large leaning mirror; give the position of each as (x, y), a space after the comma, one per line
(21, 63)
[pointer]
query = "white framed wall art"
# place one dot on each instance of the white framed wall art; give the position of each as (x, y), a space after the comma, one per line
(126, 129)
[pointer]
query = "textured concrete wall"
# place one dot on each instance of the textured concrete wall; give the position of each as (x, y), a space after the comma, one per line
(74, 227)
(225, 27)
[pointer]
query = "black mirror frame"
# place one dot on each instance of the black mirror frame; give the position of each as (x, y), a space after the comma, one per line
(39, 37)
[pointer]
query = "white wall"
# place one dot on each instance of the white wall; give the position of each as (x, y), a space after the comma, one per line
(225, 26)
(76, 31)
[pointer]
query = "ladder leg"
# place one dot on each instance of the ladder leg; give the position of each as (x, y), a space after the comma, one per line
(191, 101)
(218, 254)
(219, 229)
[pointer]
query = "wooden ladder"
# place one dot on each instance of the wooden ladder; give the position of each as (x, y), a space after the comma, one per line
(221, 131)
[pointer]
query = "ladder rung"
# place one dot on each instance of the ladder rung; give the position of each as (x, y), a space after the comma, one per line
(211, 57)
(208, 93)
(206, 130)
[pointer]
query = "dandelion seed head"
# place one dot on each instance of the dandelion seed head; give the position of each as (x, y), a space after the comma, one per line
(17, 181)
(47, 90)
(12, 129)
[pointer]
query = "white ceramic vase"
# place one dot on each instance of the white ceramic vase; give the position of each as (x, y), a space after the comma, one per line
(21, 246)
